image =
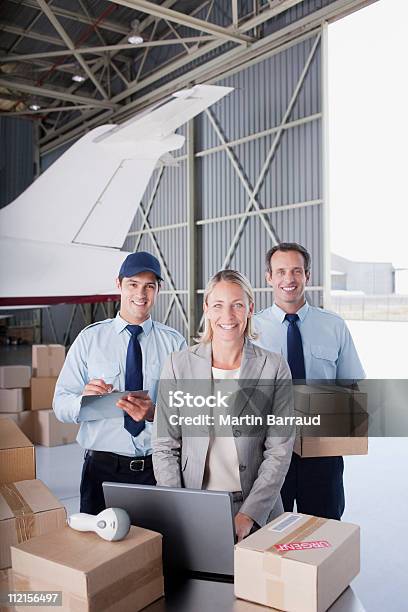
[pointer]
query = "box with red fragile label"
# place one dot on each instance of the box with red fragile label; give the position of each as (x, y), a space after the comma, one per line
(297, 563)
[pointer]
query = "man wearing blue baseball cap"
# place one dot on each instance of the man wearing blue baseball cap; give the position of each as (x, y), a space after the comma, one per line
(125, 354)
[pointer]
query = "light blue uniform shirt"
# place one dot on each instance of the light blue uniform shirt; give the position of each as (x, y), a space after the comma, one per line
(328, 347)
(100, 351)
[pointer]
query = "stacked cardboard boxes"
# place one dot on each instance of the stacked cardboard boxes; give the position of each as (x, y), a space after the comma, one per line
(27, 400)
(14, 389)
(47, 361)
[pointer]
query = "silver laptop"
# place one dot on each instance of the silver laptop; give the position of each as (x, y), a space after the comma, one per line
(197, 526)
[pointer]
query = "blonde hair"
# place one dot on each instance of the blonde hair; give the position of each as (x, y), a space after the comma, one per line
(230, 276)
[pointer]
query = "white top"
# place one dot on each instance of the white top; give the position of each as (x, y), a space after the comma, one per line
(222, 467)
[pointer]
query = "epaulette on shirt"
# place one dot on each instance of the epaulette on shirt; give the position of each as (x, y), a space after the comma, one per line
(326, 312)
(259, 312)
(106, 321)
(172, 331)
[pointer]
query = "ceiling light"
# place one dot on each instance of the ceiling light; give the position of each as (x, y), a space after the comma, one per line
(34, 106)
(78, 78)
(135, 37)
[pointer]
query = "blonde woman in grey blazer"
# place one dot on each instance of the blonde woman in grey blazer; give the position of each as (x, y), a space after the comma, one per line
(252, 467)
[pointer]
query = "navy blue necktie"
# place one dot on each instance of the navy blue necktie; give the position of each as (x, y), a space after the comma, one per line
(296, 359)
(134, 376)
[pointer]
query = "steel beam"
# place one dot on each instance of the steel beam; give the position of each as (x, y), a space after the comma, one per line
(212, 71)
(164, 267)
(61, 31)
(186, 20)
(50, 40)
(258, 213)
(52, 93)
(42, 111)
(192, 263)
(148, 209)
(135, 85)
(234, 11)
(78, 17)
(325, 174)
(252, 213)
(104, 48)
(245, 183)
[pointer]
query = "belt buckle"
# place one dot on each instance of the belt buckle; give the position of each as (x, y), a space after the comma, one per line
(136, 465)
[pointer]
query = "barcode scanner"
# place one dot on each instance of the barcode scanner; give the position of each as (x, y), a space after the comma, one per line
(112, 524)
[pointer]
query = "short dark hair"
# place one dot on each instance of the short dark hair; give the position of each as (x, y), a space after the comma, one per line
(285, 247)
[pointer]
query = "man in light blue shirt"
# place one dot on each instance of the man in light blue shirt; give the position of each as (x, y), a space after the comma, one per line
(315, 483)
(97, 363)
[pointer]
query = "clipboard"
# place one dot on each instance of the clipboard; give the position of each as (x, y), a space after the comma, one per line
(97, 407)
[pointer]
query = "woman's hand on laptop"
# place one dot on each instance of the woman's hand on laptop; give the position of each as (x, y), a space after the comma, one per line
(243, 525)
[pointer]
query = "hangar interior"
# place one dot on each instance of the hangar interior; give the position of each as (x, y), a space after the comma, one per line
(252, 170)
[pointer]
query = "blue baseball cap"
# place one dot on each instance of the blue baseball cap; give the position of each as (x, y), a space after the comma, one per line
(135, 263)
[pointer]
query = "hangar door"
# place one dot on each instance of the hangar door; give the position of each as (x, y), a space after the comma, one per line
(250, 175)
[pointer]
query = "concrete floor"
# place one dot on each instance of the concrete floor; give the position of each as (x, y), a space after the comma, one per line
(375, 500)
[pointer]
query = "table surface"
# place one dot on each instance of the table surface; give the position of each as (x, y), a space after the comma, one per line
(210, 596)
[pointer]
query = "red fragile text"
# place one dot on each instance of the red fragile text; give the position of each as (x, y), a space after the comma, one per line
(302, 545)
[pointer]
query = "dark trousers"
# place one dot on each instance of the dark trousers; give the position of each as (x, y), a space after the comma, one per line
(316, 484)
(102, 467)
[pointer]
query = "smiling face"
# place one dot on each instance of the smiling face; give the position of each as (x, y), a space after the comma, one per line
(288, 279)
(228, 310)
(137, 296)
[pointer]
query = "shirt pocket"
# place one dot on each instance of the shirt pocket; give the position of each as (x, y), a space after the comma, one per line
(324, 360)
(152, 372)
(107, 370)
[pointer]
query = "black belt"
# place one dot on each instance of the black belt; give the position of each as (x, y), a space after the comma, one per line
(134, 464)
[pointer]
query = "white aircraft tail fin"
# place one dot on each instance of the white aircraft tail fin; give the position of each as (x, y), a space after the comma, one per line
(90, 195)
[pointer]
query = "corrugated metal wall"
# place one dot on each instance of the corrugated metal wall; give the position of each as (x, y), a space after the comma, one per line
(292, 178)
(16, 157)
(291, 185)
(169, 207)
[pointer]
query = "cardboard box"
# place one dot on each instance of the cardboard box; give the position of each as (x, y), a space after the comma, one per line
(17, 457)
(24, 334)
(342, 410)
(7, 586)
(297, 563)
(11, 400)
(330, 447)
(93, 574)
(14, 376)
(24, 420)
(42, 392)
(48, 431)
(48, 359)
(27, 509)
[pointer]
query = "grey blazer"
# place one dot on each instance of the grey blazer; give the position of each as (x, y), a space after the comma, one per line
(179, 460)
